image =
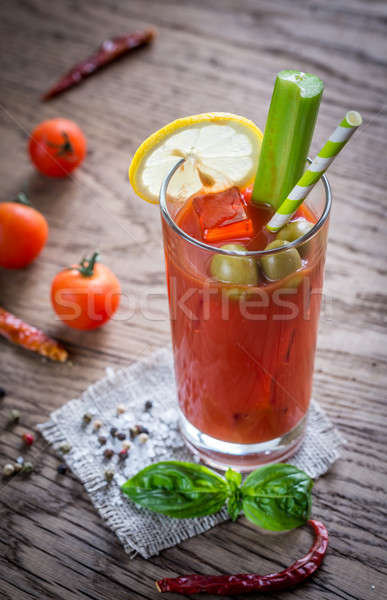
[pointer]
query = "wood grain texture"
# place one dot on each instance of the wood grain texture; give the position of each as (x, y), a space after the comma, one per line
(209, 55)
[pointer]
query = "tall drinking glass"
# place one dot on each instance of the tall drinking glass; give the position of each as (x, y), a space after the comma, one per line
(243, 354)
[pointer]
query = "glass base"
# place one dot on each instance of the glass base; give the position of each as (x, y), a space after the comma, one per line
(242, 457)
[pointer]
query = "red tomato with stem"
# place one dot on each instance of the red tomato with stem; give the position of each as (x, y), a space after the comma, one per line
(23, 233)
(57, 147)
(87, 295)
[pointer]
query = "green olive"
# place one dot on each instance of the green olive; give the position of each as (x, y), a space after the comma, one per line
(277, 266)
(241, 270)
(294, 230)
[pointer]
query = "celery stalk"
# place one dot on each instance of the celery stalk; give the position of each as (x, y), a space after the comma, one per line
(288, 133)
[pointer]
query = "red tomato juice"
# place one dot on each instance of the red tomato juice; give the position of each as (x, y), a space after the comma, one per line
(243, 361)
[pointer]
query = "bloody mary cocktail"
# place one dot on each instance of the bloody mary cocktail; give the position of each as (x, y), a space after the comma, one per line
(245, 231)
(244, 302)
(243, 352)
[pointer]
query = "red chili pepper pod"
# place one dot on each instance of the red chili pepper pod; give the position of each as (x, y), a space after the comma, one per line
(224, 585)
(108, 51)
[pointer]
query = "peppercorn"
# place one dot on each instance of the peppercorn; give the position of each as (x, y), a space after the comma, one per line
(97, 425)
(148, 405)
(17, 467)
(62, 469)
(113, 431)
(27, 467)
(87, 417)
(120, 409)
(123, 454)
(8, 470)
(102, 439)
(14, 416)
(108, 453)
(127, 445)
(143, 437)
(109, 474)
(3, 393)
(136, 430)
(28, 439)
(65, 448)
(121, 436)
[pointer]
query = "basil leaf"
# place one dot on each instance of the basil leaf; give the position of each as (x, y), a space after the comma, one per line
(277, 497)
(233, 477)
(177, 489)
(234, 502)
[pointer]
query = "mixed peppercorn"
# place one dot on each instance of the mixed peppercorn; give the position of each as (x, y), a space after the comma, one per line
(20, 466)
(135, 432)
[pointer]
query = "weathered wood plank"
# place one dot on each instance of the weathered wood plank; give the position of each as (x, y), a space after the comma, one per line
(210, 54)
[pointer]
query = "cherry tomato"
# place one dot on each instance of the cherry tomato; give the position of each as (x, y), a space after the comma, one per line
(23, 233)
(57, 147)
(87, 295)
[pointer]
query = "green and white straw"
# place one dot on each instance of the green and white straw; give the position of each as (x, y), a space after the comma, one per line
(317, 168)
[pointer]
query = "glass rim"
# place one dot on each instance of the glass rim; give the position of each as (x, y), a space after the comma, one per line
(214, 249)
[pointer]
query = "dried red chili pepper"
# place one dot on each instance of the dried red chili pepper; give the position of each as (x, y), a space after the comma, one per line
(31, 338)
(223, 585)
(106, 53)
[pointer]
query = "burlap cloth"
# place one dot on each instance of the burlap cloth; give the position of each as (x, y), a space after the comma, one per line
(152, 379)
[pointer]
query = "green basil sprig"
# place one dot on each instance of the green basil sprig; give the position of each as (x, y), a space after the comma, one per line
(274, 497)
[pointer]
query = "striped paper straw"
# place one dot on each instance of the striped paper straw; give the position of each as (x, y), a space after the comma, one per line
(317, 168)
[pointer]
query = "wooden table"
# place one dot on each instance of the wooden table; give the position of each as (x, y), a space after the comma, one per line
(209, 55)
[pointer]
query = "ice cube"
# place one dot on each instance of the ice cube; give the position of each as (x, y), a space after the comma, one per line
(222, 216)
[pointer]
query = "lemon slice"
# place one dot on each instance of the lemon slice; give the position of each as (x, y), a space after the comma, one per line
(221, 150)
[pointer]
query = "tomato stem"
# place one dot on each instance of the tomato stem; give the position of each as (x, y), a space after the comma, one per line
(86, 266)
(22, 198)
(64, 148)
